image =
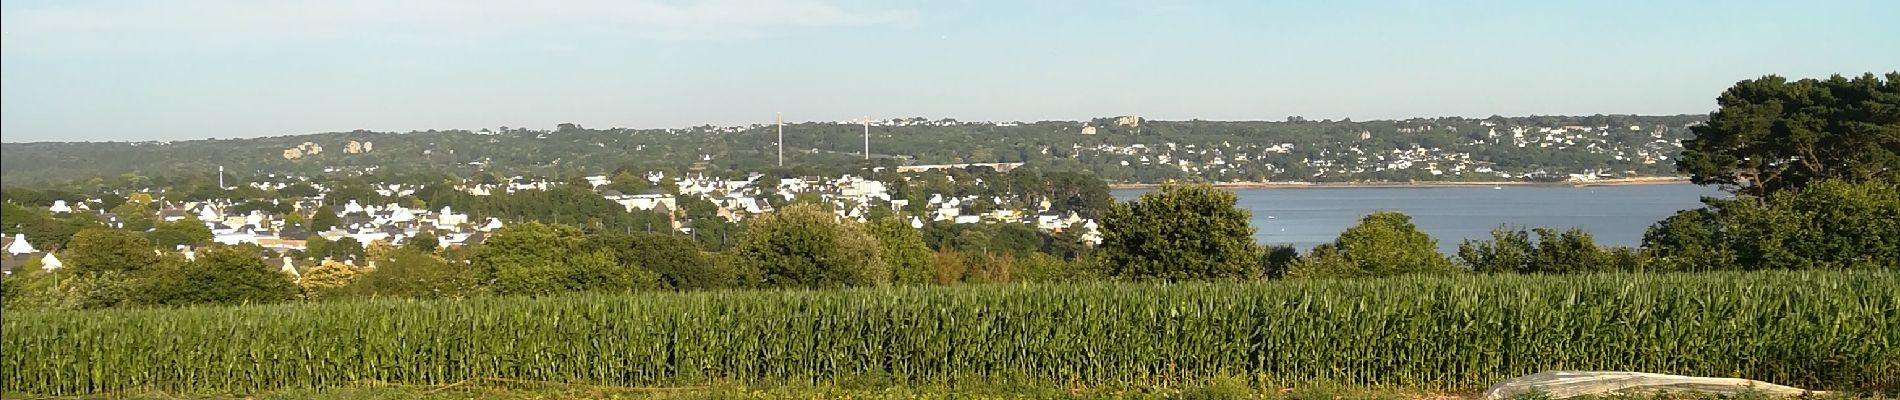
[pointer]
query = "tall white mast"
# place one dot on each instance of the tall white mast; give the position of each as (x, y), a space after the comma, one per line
(781, 139)
(221, 177)
(867, 137)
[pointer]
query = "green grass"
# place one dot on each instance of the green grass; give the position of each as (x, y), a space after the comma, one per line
(1830, 330)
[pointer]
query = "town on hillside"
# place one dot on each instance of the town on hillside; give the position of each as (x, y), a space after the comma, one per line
(1124, 149)
(284, 226)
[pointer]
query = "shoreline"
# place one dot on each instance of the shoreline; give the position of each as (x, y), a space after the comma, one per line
(1648, 180)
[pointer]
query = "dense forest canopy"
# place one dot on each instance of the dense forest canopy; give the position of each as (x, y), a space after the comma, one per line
(1126, 149)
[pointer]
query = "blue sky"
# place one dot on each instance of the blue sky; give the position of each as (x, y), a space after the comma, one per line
(189, 69)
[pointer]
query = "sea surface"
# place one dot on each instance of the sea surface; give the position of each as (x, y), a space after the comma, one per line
(1615, 215)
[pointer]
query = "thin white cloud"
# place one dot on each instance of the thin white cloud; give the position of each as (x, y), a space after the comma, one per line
(170, 25)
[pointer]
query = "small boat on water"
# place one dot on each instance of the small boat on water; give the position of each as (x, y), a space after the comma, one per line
(1497, 188)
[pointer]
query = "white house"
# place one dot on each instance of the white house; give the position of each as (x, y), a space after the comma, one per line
(448, 218)
(49, 262)
(290, 267)
(20, 246)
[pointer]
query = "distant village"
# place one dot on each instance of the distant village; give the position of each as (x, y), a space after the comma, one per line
(851, 197)
(1346, 158)
(1350, 159)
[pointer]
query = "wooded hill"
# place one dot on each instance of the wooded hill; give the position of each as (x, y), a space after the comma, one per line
(1125, 149)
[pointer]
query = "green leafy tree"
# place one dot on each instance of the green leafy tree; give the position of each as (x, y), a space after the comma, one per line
(1180, 232)
(316, 247)
(744, 273)
(135, 216)
(977, 238)
(1771, 134)
(541, 259)
(805, 246)
(1382, 244)
(323, 219)
(343, 248)
(1018, 239)
(234, 275)
(629, 183)
(1692, 240)
(1278, 259)
(162, 283)
(57, 232)
(903, 249)
(109, 201)
(417, 275)
(267, 207)
(1509, 250)
(1625, 258)
(1552, 252)
(188, 231)
(326, 279)
(1043, 267)
(1324, 261)
(1570, 251)
(378, 249)
(676, 259)
(298, 191)
(1830, 224)
(13, 216)
(527, 258)
(423, 242)
(1080, 192)
(108, 250)
(93, 290)
(1070, 243)
(600, 271)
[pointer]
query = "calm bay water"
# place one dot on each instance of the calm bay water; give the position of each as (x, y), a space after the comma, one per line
(1615, 215)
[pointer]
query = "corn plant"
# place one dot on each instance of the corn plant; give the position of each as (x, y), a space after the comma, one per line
(1824, 329)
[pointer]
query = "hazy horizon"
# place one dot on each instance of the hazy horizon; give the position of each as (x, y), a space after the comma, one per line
(133, 70)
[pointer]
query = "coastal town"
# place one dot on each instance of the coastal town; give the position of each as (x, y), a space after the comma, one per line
(1120, 150)
(1228, 161)
(237, 222)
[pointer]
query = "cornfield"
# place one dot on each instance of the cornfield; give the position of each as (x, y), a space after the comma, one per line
(1838, 330)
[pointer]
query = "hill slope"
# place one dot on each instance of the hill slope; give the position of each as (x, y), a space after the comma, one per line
(1119, 149)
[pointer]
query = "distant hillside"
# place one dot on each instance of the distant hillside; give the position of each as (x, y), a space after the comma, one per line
(1125, 149)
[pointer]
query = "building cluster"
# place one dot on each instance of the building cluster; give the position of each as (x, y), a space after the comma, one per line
(851, 197)
(390, 223)
(20, 252)
(1237, 161)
